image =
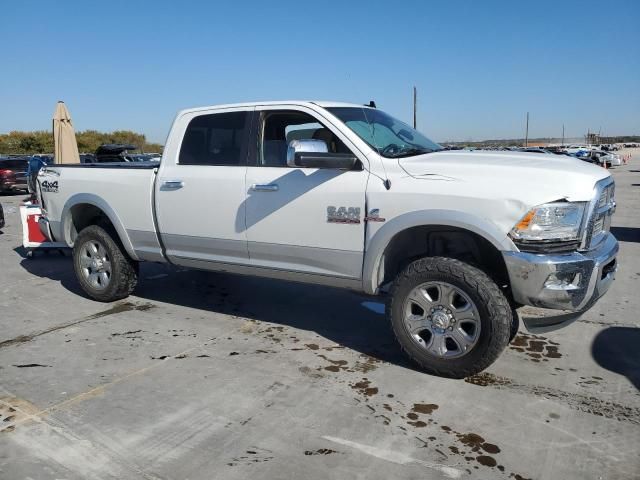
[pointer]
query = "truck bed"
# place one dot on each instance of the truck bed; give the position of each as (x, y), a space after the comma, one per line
(123, 191)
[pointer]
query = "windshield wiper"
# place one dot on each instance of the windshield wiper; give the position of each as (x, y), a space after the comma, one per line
(411, 151)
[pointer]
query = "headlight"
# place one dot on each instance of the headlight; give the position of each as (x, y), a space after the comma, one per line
(551, 222)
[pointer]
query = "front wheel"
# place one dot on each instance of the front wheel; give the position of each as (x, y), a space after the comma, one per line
(449, 317)
(103, 269)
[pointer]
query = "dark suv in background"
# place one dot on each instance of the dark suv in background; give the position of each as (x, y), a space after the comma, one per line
(13, 173)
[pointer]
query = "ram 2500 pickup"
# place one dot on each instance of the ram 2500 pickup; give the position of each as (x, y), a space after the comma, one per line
(348, 196)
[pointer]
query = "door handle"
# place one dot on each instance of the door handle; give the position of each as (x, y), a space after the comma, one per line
(172, 184)
(271, 187)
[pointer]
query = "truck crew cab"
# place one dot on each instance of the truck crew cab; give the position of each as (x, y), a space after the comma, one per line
(348, 196)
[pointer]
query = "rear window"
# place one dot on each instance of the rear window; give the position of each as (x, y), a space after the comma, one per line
(216, 139)
(14, 164)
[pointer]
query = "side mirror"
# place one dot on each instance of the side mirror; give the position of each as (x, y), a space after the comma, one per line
(314, 154)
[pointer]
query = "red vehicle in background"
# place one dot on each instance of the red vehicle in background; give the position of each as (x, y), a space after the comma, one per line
(7, 180)
(13, 174)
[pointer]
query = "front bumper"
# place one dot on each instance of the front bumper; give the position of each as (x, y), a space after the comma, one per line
(572, 281)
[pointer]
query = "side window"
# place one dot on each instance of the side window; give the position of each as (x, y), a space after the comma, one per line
(279, 128)
(215, 139)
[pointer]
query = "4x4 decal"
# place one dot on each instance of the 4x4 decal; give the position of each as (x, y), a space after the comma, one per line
(51, 187)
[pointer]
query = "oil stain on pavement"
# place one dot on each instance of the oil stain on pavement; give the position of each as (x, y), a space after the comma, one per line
(535, 347)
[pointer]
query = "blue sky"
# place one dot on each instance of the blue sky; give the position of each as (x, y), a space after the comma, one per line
(478, 65)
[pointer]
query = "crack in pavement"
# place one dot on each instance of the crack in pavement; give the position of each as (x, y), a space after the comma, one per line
(576, 401)
(119, 308)
(101, 388)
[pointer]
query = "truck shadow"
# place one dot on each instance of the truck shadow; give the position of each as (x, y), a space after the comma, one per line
(616, 349)
(626, 234)
(342, 317)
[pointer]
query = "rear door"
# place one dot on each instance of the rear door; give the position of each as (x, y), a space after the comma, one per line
(200, 189)
(308, 220)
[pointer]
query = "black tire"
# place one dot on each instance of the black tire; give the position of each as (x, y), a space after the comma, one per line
(124, 271)
(495, 313)
(515, 324)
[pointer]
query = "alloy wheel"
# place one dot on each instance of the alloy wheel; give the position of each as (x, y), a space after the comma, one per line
(442, 319)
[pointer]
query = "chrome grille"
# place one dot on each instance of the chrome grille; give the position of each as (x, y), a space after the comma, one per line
(598, 225)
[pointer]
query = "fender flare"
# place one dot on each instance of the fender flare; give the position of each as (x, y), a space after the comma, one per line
(449, 218)
(98, 202)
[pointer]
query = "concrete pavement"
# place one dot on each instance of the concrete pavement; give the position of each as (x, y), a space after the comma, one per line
(210, 376)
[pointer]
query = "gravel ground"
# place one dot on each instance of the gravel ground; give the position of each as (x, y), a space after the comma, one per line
(211, 376)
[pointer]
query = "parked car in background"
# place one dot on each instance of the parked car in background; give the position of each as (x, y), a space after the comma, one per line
(117, 152)
(13, 173)
(614, 159)
(578, 148)
(7, 179)
(113, 152)
(603, 158)
(140, 157)
(110, 153)
(535, 150)
(583, 155)
(562, 153)
(580, 156)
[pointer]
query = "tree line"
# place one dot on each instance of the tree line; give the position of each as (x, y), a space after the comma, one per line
(28, 143)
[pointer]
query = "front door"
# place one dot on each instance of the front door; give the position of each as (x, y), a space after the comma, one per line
(200, 194)
(308, 220)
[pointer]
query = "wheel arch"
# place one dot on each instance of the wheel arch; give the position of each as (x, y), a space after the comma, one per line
(84, 209)
(409, 230)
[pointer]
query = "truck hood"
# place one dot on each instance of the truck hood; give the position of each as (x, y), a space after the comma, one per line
(529, 179)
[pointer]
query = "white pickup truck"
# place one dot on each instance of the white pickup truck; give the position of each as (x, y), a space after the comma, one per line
(345, 195)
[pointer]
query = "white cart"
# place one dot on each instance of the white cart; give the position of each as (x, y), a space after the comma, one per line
(32, 238)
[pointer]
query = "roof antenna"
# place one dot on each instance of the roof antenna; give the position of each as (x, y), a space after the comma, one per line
(371, 104)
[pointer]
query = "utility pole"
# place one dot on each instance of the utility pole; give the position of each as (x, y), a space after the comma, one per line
(415, 101)
(526, 134)
(563, 134)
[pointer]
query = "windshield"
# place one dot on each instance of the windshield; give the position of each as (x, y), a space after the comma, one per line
(389, 136)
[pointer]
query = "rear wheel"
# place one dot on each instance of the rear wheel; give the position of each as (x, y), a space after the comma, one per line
(449, 317)
(103, 269)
